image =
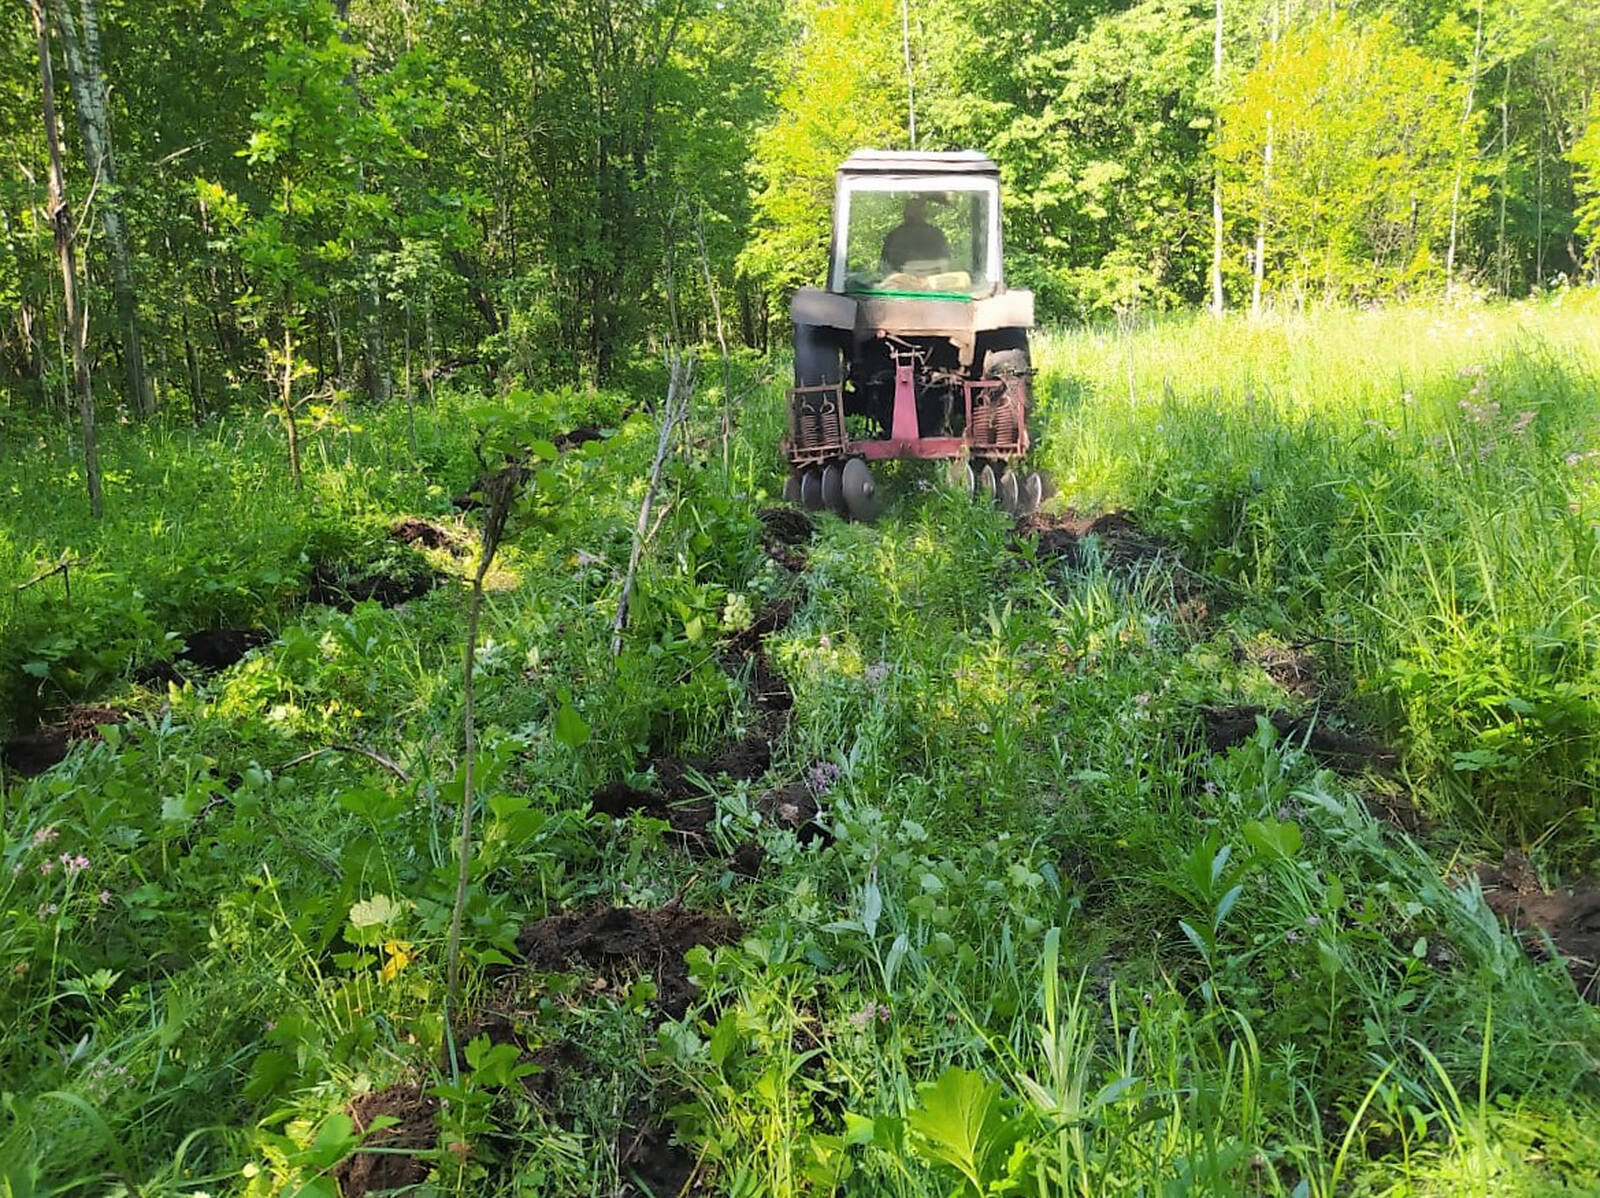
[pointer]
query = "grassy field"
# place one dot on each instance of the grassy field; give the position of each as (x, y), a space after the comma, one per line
(1162, 852)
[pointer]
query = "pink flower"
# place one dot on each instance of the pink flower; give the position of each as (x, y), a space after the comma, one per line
(45, 835)
(104, 896)
(47, 867)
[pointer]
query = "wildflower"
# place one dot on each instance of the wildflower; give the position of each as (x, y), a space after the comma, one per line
(45, 835)
(1313, 920)
(46, 909)
(822, 776)
(1522, 421)
(104, 896)
(1294, 936)
(825, 641)
(74, 865)
(16, 869)
(47, 868)
(877, 673)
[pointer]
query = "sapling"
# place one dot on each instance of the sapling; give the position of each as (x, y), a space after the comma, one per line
(500, 491)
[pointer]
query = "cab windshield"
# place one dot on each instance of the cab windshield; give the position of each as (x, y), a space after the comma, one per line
(916, 241)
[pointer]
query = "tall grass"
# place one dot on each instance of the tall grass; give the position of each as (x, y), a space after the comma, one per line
(1418, 488)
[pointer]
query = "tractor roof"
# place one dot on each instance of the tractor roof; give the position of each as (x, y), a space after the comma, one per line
(917, 162)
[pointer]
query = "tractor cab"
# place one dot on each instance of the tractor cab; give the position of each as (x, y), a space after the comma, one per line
(916, 225)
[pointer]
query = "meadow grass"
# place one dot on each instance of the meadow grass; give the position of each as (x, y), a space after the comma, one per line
(1045, 940)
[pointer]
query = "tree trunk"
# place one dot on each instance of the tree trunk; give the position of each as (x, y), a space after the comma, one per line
(1260, 263)
(60, 216)
(1216, 171)
(88, 85)
(1455, 189)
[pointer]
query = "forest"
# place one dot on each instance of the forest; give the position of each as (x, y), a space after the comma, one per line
(437, 756)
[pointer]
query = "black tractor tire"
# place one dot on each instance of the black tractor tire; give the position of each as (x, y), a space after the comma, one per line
(818, 356)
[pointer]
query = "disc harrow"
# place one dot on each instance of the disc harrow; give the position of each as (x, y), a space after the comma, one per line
(848, 489)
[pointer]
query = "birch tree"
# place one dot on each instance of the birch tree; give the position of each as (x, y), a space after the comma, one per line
(59, 213)
(80, 43)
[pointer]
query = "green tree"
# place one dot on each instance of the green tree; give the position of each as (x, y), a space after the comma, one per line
(1368, 142)
(845, 91)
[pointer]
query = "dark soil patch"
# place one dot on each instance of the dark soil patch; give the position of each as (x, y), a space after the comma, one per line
(747, 860)
(689, 818)
(651, 1165)
(740, 760)
(390, 587)
(219, 648)
(412, 531)
(1570, 917)
(610, 939)
(786, 525)
(1122, 541)
(159, 673)
(31, 753)
(1226, 727)
(782, 530)
(1292, 667)
(774, 617)
(581, 435)
(416, 1131)
(768, 690)
(795, 807)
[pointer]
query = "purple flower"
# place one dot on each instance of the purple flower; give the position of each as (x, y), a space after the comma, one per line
(877, 673)
(822, 776)
(75, 865)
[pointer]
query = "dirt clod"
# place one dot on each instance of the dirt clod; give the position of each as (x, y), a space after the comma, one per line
(774, 617)
(417, 1131)
(219, 648)
(581, 435)
(1569, 916)
(610, 939)
(652, 1166)
(794, 807)
(343, 590)
(31, 753)
(412, 531)
(1226, 727)
(1122, 541)
(787, 525)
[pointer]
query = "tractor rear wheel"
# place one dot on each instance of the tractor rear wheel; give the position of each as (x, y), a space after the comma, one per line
(818, 356)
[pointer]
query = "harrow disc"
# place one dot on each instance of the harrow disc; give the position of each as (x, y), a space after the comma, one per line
(984, 484)
(811, 489)
(959, 475)
(833, 488)
(1006, 491)
(1030, 494)
(860, 491)
(791, 487)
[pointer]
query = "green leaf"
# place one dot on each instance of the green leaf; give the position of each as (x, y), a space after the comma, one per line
(570, 729)
(377, 911)
(959, 1123)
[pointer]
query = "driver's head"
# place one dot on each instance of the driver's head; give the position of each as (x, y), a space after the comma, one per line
(916, 210)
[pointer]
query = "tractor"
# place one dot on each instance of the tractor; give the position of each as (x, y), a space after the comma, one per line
(915, 348)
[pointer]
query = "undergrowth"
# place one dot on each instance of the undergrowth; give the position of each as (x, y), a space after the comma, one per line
(1043, 936)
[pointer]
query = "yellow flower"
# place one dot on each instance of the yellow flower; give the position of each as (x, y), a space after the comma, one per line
(399, 957)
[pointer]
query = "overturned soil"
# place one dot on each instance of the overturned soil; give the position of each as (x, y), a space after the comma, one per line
(343, 589)
(513, 477)
(219, 648)
(651, 1165)
(626, 939)
(783, 530)
(1569, 916)
(1122, 542)
(794, 807)
(581, 435)
(1292, 667)
(412, 531)
(774, 617)
(417, 1131)
(1226, 727)
(31, 753)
